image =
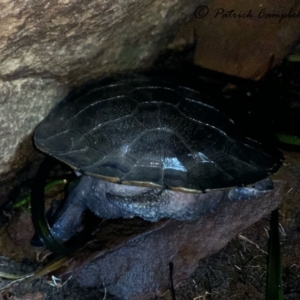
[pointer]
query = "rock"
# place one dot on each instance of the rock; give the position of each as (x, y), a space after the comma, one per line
(77, 40)
(45, 44)
(131, 259)
(24, 103)
(239, 38)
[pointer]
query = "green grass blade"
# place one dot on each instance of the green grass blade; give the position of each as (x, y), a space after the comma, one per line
(274, 274)
(288, 138)
(25, 202)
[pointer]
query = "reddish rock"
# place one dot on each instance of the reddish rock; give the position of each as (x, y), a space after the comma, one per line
(242, 38)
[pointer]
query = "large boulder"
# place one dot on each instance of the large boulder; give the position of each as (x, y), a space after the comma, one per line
(46, 47)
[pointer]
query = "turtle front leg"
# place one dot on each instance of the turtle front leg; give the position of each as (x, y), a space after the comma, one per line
(88, 194)
(67, 220)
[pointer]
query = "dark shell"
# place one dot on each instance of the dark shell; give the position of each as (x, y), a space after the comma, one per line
(152, 132)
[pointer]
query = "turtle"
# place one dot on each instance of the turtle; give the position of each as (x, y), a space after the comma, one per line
(153, 148)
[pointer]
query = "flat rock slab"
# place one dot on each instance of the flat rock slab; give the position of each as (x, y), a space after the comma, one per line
(131, 258)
